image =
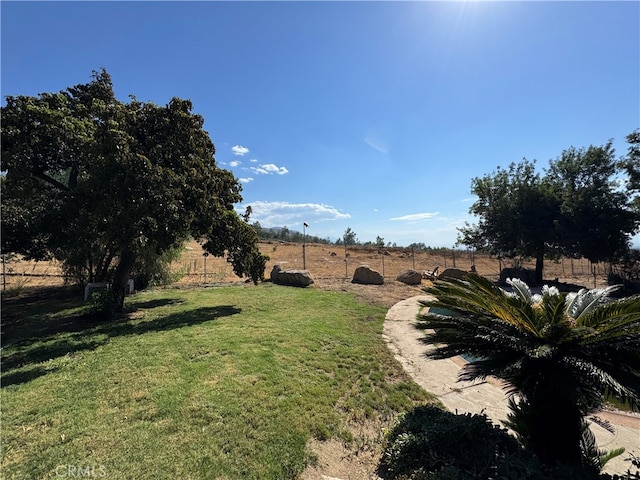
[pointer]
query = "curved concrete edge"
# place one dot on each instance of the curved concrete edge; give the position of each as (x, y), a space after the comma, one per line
(440, 377)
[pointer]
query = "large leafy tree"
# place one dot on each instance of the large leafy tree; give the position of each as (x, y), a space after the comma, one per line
(559, 355)
(577, 208)
(596, 217)
(517, 210)
(96, 182)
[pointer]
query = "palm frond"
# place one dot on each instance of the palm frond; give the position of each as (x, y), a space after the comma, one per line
(553, 306)
(477, 295)
(595, 457)
(585, 301)
(617, 376)
(561, 356)
(621, 317)
(520, 289)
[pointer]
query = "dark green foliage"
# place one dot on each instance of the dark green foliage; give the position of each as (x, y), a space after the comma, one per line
(101, 184)
(516, 210)
(104, 305)
(350, 237)
(631, 164)
(626, 272)
(429, 443)
(152, 270)
(585, 185)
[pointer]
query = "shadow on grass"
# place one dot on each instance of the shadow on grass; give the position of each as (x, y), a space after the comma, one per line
(24, 376)
(45, 351)
(34, 337)
(39, 314)
(168, 322)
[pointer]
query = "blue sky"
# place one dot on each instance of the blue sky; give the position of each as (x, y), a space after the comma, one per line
(368, 115)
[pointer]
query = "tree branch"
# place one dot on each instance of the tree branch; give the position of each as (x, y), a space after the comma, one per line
(50, 180)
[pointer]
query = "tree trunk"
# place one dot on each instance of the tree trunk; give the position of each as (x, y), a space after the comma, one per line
(105, 262)
(539, 268)
(556, 431)
(121, 276)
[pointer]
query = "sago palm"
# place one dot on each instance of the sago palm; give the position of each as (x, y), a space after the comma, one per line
(559, 355)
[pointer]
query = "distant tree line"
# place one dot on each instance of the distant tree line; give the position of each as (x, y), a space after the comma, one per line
(285, 235)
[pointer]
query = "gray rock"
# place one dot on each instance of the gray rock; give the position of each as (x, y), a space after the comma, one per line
(453, 273)
(410, 277)
(292, 278)
(367, 276)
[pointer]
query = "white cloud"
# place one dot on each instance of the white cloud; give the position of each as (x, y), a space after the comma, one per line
(245, 180)
(279, 214)
(239, 150)
(268, 169)
(416, 217)
(376, 144)
(234, 163)
(253, 160)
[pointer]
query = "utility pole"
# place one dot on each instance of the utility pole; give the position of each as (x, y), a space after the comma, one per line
(304, 245)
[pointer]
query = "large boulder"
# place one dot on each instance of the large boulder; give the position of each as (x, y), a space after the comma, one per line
(527, 276)
(367, 276)
(292, 278)
(410, 277)
(453, 273)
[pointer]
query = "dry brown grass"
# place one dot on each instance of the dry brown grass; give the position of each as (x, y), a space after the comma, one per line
(330, 266)
(330, 262)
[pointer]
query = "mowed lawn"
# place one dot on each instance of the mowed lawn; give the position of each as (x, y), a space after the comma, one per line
(226, 382)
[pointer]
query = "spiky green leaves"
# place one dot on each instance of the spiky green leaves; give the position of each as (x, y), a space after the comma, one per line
(557, 352)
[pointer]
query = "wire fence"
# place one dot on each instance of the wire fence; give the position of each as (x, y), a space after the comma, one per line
(331, 262)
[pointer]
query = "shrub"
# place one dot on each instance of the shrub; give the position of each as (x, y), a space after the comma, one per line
(104, 304)
(429, 443)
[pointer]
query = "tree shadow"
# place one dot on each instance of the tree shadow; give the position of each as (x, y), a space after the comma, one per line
(33, 316)
(168, 322)
(149, 304)
(24, 376)
(34, 341)
(42, 352)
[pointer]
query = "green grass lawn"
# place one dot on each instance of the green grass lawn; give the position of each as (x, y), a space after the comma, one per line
(227, 382)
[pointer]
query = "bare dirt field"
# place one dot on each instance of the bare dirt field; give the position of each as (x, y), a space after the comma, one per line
(331, 267)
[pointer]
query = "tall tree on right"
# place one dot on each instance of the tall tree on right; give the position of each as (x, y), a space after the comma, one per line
(631, 164)
(596, 217)
(579, 208)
